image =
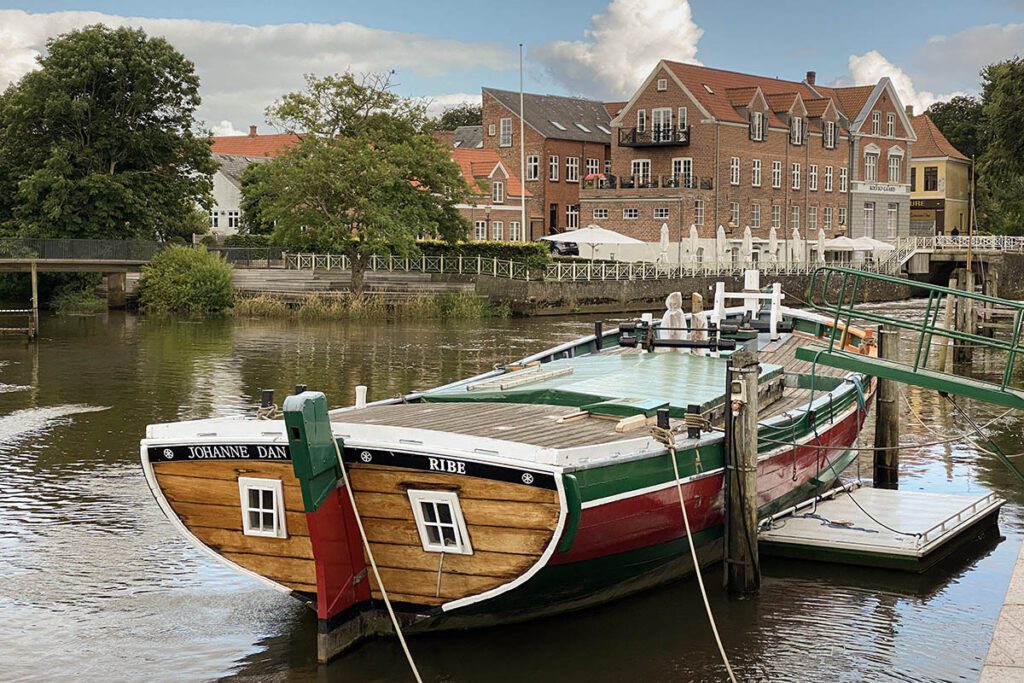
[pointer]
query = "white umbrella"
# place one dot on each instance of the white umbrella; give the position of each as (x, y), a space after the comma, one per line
(592, 235)
(664, 241)
(796, 246)
(720, 245)
(871, 244)
(841, 243)
(747, 248)
(821, 246)
(773, 245)
(694, 242)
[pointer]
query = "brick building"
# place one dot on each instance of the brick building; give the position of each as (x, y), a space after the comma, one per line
(566, 139)
(496, 214)
(708, 147)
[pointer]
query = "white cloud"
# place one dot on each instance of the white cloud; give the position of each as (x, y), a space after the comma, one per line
(226, 128)
(621, 47)
(438, 103)
(954, 61)
(867, 68)
(245, 68)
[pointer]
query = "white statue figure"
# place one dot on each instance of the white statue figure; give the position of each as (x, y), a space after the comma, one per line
(673, 323)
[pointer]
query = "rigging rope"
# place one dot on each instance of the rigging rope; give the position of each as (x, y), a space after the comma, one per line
(373, 564)
(668, 438)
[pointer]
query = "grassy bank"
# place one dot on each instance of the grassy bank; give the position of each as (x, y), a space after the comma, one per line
(316, 306)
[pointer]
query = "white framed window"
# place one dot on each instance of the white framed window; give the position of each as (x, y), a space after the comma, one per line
(757, 126)
(755, 215)
(698, 212)
(734, 213)
(842, 215)
(828, 137)
(895, 168)
(812, 218)
(641, 120)
(776, 216)
(513, 232)
(630, 214)
(776, 174)
(826, 218)
(480, 230)
(828, 179)
(572, 169)
(262, 507)
(572, 216)
(497, 230)
(876, 123)
(796, 130)
(869, 219)
(490, 130)
(661, 123)
(593, 166)
(641, 170)
(682, 171)
(234, 219)
(214, 218)
(553, 167)
(755, 173)
(600, 214)
(796, 176)
(662, 84)
(607, 166)
(871, 167)
(505, 139)
(532, 167)
(661, 213)
(440, 522)
(794, 217)
(844, 176)
(892, 220)
(681, 119)
(734, 171)
(812, 177)
(498, 191)
(890, 125)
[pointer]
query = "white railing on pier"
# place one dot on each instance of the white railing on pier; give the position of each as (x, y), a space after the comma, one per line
(453, 265)
(981, 243)
(577, 271)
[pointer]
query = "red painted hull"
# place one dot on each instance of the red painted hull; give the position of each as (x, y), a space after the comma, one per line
(338, 552)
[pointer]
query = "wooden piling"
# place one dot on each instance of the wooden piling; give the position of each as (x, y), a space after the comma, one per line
(35, 302)
(947, 322)
(743, 567)
(887, 422)
(963, 352)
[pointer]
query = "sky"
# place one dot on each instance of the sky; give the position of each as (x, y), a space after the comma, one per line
(249, 54)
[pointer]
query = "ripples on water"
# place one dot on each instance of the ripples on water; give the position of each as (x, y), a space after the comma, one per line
(96, 585)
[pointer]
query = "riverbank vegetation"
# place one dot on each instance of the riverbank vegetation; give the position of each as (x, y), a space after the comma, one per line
(324, 307)
(186, 281)
(78, 301)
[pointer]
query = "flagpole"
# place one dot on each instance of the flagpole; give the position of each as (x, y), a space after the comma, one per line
(525, 232)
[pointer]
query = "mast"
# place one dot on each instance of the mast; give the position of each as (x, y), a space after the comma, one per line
(522, 160)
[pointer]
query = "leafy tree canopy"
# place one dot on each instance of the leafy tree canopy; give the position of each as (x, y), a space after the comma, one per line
(1001, 167)
(961, 121)
(99, 142)
(367, 178)
(465, 114)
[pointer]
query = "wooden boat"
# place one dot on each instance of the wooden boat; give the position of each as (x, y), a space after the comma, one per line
(529, 490)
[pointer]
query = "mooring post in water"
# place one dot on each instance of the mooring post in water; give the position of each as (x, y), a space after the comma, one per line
(887, 422)
(34, 332)
(947, 322)
(963, 352)
(743, 567)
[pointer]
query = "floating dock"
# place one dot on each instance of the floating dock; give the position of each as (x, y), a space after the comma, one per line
(904, 530)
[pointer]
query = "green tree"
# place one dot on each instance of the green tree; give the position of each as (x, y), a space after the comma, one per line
(253, 221)
(961, 120)
(99, 142)
(186, 280)
(367, 178)
(1001, 166)
(465, 114)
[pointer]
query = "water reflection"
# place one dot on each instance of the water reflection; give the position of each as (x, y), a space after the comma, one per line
(95, 584)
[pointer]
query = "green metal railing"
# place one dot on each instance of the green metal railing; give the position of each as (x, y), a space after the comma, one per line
(834, 291)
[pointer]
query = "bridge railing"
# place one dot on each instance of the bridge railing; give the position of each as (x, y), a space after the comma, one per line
(1005, 243)
(77, 250)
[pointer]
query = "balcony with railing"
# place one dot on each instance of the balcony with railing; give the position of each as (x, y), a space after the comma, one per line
(654, 136)
(648, 182)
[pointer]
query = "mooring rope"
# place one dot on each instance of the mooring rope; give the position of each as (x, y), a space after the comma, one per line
(373, 564)
(667, 437)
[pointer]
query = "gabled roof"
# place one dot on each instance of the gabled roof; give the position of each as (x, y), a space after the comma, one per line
(254, 145)
(781, 102)
(471, 137)
(232, 166)
(615, 107)
(850, 100)
(740, 97)
(931, 142)
(559, 117)
(480, 164)
(817, 107)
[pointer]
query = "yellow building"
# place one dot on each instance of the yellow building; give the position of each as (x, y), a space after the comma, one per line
(940, 183)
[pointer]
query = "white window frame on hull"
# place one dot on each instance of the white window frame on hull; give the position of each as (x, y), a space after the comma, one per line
(461, 544)
(278, 528)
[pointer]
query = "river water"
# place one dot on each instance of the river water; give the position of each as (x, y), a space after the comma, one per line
(95, 585)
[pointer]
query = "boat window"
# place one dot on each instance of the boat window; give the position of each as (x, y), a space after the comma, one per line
(262, 507)
(440, 522)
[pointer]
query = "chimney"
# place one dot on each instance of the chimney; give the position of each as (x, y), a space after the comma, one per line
(910, 110)
(252, 131)
(810, 77)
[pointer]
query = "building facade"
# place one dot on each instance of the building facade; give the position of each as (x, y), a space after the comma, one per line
(706, 147)
(496, 212)
(566, 139)
(940, 183)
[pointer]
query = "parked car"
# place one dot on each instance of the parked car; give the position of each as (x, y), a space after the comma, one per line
(565, 248)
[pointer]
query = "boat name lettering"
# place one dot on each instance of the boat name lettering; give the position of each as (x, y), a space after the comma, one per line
(442, 465)
(221, 452)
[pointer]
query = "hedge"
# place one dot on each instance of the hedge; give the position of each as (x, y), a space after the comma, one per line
(247, 241)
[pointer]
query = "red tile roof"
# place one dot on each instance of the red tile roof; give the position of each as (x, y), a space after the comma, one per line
(850, 100)
(740, 97)
(478, 164)
(816, 107)
(614, 108)
(254, 145)
(930, 140)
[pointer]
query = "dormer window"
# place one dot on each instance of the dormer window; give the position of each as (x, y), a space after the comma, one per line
(796, 130)
(498, 192)
(828, 137)
(757, 126)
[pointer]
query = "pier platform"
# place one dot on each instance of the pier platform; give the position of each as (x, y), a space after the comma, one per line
(1005, 660)
(903, 530)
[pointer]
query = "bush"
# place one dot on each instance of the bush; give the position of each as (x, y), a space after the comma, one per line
(78, 301)
(247, 241)
(208, 241)
(186, 281)
(534, 254)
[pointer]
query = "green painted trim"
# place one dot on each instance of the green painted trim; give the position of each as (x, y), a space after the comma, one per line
(573, 503)
(601, 482)
(313, 450)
